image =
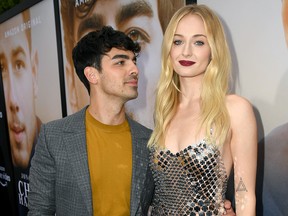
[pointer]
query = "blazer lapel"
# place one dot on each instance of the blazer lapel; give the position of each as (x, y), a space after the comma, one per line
(75, 143)
(139, 164)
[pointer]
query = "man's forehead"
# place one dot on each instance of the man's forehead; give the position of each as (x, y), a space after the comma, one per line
(120, 53)
(15, 45)
(11, 27)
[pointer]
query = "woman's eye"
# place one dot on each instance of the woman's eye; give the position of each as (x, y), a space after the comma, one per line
(199, 43)
(138, 36)
(177, 42)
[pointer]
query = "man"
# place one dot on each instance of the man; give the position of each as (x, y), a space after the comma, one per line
(94, 162)
(275, 184)
(19, 72)
(275, 181)
(98, 144)
(142, 20)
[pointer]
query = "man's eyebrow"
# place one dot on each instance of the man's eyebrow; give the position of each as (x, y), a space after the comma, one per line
(121, 56)
(18, 50)
(93, 22)
(134, 9)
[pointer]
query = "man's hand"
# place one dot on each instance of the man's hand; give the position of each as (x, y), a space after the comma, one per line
(229, 209)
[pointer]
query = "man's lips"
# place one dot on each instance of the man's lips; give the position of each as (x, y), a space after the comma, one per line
(17, 131)
(186, 63)
(16, 127)
(133, 82)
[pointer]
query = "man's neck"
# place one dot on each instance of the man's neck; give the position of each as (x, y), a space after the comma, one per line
(108, 115)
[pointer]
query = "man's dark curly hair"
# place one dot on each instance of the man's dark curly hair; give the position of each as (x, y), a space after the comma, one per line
(92, 47)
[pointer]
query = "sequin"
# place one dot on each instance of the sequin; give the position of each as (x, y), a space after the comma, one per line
(190, 182)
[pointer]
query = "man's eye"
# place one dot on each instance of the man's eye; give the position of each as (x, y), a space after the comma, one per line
(3, 69)
(19, 65)
(138, 36)
(120, 63)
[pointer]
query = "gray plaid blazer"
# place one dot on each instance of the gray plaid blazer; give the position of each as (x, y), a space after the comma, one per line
(59, 174)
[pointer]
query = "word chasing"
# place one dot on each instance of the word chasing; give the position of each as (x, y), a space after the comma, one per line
(23, 26)
(80, 2)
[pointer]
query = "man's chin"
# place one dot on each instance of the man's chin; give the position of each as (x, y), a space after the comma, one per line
(132, 97)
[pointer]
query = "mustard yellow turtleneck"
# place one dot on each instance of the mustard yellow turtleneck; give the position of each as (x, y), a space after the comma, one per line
(110, 163)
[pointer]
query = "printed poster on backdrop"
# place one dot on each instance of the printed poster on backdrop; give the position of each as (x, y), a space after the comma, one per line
(30, 73)
(146, 26)
(7, 189)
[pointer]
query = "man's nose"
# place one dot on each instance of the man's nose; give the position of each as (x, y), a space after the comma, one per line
(134, 69)
(12, 98)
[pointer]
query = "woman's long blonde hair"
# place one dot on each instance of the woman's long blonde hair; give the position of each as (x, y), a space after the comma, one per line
(214, 113)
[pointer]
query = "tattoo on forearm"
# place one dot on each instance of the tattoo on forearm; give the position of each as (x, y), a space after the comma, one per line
(241, 198)
(241, 186)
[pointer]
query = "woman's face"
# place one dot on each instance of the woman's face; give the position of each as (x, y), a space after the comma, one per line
(190, 52)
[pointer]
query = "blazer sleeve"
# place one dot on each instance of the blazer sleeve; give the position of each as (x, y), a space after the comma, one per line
(42, 180)
(147, 193)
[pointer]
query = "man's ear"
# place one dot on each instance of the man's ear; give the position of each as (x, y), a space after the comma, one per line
(35, 65)
(91, 74)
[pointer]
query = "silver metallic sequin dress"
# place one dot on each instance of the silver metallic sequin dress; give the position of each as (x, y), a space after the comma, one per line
(190, 182)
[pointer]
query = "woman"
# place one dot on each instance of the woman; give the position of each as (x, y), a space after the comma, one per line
(201, 131)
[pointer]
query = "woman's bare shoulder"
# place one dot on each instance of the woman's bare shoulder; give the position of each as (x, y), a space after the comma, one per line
(239, 108)
(237, 103)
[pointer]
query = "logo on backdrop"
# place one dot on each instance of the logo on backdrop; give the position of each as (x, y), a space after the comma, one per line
(4, 178)
(23, 189)
(80, 2)
(22, 27)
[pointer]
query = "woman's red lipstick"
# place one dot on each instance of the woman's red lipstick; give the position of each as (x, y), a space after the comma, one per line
(186, 63)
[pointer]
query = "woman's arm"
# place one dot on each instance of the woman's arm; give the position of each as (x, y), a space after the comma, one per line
(244, 154)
